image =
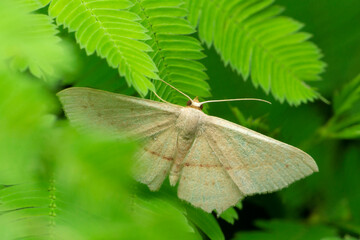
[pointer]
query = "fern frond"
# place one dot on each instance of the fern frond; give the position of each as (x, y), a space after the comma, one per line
(255, 40)
(107, 27)
(175, 53)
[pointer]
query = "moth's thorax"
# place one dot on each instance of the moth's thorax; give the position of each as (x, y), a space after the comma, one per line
(189, 121)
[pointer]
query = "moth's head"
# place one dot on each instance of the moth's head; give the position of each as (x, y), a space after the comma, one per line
(195, 104)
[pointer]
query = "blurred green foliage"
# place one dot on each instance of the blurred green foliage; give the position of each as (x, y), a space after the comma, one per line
(286, 230)
(56, 183)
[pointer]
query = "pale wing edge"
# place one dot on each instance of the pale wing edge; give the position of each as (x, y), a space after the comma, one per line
(244, 188)
(87, 119)
(166, 107)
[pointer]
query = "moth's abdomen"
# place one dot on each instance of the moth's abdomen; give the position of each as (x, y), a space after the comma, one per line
(187, 126)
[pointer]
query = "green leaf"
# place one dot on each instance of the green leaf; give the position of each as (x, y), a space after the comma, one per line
(114, 33)
(175, 54)
(196, 217)
(257, 42)
(347, 97)
(230, 215)
(32, 5)
(286, 230)
(31, 42)
(23, 106)
(171, 217)
(350, 132)
(205, 222)
(345, 123)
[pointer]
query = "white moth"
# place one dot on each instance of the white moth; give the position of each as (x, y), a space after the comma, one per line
(215, 162)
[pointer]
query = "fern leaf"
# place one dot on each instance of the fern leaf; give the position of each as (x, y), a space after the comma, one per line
(175, 53)
(108, 28)
(257, 42)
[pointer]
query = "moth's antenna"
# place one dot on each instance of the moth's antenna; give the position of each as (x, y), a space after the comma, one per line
(160, 97)
(175, 89)
(237, 99)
